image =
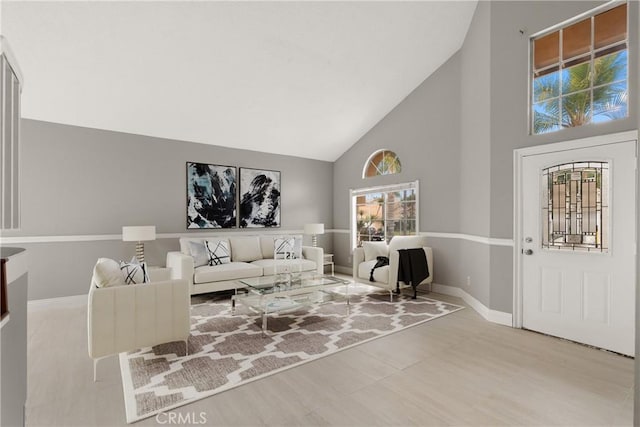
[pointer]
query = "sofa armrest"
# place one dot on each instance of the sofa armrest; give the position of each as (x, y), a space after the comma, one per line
(182, 267)
(429, 252)
(316, 255)
(358, 258)
(394, 259)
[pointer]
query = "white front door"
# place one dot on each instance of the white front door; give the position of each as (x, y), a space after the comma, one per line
(578, 244)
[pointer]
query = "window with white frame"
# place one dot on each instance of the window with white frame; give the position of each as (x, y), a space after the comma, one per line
(579, 72)
(379, 213)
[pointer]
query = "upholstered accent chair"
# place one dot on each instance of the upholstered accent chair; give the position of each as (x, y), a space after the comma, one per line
(365, 258)
(129, 317)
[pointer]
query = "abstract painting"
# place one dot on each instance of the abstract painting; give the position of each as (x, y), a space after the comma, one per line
(259, 198)
(211, 196)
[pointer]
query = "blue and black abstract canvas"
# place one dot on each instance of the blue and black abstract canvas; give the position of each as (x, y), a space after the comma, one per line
(259, 198)
(211, 196)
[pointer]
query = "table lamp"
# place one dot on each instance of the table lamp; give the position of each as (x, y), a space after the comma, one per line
(314, 230)
(139, 234)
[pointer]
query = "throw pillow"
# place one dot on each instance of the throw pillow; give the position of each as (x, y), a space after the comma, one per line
(372, 250)
(106, 273)
(199, 253)
(134, 272)
(218, 252)
(287, 247)
(245, 249)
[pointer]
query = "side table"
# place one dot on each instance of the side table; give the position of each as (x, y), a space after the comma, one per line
(328, 260)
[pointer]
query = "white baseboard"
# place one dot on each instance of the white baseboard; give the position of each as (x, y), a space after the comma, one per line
(500, 317)
(73, 301)
(494, 316)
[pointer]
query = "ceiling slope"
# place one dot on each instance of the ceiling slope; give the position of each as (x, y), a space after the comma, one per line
(299, 78)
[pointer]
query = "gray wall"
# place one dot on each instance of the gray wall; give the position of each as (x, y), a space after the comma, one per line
(80, 181)
(472, 273)
(466, 172)
(509, 112)
(424, 132)
(509, 80)
(475, 130)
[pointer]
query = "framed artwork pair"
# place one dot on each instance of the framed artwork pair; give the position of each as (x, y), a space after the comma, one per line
(213, 199)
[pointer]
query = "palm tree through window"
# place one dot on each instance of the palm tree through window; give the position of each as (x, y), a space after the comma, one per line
(382, 162)
(579, 72)
(379, 213)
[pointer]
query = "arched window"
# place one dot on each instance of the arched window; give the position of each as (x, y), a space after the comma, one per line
(382, 162)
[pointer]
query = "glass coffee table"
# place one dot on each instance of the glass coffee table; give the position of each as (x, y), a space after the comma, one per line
(287, 292)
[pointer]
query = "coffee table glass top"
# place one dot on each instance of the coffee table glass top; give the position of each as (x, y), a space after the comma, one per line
(287, 292)
(291, 281)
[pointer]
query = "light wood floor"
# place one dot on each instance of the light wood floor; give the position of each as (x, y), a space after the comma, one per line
(456, 370)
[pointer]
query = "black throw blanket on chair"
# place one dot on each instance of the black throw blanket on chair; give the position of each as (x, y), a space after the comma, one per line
(381, 262)
(412, 268)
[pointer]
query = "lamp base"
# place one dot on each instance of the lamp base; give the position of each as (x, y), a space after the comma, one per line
(314, 240)
(140, 252)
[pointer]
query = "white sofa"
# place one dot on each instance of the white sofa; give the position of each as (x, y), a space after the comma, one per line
(364, 259)
(251, 256)
(129, 317)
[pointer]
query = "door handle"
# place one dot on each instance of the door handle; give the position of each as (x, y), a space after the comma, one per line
(528, 252)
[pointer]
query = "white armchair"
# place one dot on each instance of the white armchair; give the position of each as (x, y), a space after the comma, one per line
(365, 258)
(125, 318)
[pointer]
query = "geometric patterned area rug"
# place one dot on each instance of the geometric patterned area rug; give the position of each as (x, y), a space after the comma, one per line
(226, 351)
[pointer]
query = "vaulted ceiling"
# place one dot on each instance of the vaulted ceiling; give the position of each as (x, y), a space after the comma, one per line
(300, 78)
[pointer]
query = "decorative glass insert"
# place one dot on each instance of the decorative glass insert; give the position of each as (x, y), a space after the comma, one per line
(575, 207)
(579, 73)
(382, 162)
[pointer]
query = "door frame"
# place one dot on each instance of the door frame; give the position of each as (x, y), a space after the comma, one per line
(518, 237)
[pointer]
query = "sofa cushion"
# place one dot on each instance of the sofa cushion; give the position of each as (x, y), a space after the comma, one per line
(245, 249)
(106, 273)
(372, 250)
(199, 253)
(380, 274)
(269, 266)
(230, 271)
(185, 248)
(219, 252)
(406, 242)
(266, 245)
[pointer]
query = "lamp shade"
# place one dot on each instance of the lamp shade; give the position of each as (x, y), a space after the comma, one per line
(139, 233)
(314, 229)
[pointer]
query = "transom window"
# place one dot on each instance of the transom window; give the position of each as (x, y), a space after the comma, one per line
(579, 72)
(382, 162)
(575, 211)
(380, 213)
